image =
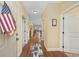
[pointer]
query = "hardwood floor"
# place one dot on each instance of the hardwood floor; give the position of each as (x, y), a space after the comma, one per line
(52, 53)
(26, 52)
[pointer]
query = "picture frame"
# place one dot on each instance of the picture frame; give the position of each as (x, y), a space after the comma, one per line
(54, 22)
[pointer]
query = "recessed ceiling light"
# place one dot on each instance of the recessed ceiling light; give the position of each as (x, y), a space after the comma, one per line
(35, 11)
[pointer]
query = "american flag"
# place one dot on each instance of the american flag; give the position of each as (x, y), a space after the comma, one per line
(7, 22)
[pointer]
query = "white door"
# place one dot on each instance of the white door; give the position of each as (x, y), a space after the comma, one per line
(71, 33)
(7, 46)
(24, 32)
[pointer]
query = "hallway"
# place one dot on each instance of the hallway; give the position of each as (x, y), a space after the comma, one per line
(39, 28)
(27, 50)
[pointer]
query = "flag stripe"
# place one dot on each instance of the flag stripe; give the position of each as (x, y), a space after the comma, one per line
(8, 22)
(1, 26)
(11, 21)
(5, 26)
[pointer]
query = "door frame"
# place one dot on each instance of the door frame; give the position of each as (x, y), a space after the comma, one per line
(24, 31)
(62, 24)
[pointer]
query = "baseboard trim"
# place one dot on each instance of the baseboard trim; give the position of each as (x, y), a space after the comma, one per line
(54, 49)
(71, 51)
(18, 55)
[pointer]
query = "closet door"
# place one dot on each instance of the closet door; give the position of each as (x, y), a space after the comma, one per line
(71, 32)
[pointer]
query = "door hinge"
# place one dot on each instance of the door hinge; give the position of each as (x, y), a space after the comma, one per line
(62, 46)
(63, 18)
(17, 39)
(63, 32)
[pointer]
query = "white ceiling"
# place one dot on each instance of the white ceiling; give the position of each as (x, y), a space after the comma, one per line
(37, 6)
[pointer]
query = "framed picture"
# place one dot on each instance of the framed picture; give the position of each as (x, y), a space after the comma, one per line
(54, 22)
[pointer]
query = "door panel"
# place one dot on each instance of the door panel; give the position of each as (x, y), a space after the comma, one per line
(7, 46)
(71, 32)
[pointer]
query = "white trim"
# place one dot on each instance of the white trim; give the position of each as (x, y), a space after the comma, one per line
(73, 6)
(61, 30)
(71, 51)
(54, 49)
(19, 53)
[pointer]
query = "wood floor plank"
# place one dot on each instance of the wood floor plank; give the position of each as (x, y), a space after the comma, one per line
(26, 52)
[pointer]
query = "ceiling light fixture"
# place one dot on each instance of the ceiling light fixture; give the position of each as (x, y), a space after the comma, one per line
(35, 11)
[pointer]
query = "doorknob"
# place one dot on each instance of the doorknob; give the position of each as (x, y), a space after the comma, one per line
(17, 39)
